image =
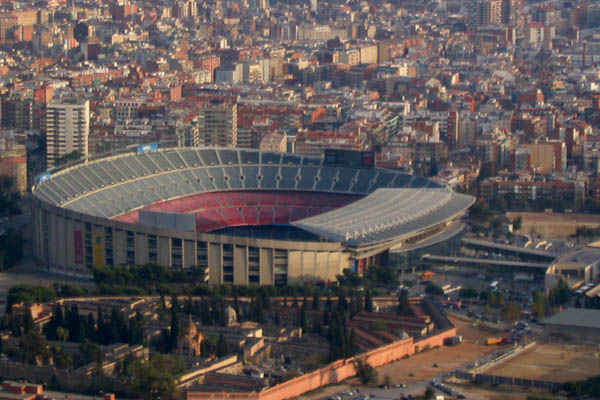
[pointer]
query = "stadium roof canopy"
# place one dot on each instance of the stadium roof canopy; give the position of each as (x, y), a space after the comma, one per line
(387, 214)
(111, 186)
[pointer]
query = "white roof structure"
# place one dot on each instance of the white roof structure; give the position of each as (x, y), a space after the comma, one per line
(388, 214)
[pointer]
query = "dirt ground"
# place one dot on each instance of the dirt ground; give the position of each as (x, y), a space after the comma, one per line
(421, 366)
(553, 225)
(502, 392)
(552, 362)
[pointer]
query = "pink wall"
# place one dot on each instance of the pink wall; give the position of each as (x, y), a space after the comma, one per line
(335, 372)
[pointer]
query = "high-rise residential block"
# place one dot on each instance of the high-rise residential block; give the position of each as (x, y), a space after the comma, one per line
(217, 123)
(67, 128)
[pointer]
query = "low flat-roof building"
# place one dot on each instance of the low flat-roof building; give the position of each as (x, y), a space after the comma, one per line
(578, 324)
(575, 267)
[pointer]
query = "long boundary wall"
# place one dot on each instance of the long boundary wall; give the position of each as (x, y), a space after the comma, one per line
(335, 372)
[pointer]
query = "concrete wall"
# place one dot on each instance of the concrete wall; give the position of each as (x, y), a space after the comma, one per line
(333, 373)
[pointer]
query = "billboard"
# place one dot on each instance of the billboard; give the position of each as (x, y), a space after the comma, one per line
(78, 247)
(147, 148)
(44, 177)
(349, 158)
(98, 250)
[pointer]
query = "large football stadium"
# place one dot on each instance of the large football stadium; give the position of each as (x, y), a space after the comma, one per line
(247, 216)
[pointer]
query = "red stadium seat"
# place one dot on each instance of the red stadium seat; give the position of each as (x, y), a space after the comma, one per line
(232, 216)
(265, 215)
(236, 208)
(250, 215)
(282, 215)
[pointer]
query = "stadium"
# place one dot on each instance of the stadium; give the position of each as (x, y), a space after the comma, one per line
(247, 216)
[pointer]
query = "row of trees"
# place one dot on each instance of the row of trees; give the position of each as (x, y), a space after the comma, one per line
(544, 304)
(589, 388)
(147, 275)
(586, 232)
(155, 378)
(71, 326)
(30, 294)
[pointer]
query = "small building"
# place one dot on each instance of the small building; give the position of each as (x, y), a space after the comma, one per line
(191, 340)
(581, 265)
(577, 324)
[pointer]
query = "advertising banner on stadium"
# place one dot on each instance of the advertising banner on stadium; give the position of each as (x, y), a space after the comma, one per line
(44, 177)
(78, 247)
(98, 250)
(147, 148)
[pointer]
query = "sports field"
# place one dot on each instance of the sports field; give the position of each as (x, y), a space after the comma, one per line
(552, 362)
(554, 225)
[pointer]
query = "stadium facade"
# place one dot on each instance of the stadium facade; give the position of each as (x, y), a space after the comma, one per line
(247, 216)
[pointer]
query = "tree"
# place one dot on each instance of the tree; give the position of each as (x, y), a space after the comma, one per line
(62, 334)
(67, 158)
(480, 212)
(379, 326)
(403, 304)
(517, 223)
(302, 322)
(154, 378)
(34, 348)
(74, 324)
(91, 352)
(365, 372)
(559, 295)
(349, 278)
(27, 322)
(468, 293)
(277, 318)
(511, 312)
(368, 301)
(174, 331)
(495, 299)
(539, 305)
(174, 303)
(136, 330)
(432, 288)
(56, 321)
(429, 394)
(222, 348)
(342, 302)
(264, 299)
(61, 359)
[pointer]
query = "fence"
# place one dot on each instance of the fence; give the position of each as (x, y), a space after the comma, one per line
(507, 380)
(475, 376)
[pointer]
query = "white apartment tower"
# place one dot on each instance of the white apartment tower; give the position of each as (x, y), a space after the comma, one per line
(67, 128)
(217, 123)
